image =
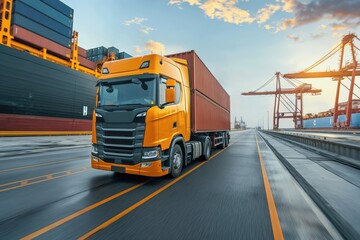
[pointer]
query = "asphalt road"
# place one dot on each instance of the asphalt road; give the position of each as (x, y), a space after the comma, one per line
(56, 195)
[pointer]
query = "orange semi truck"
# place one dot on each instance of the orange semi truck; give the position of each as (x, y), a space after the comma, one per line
(155, 114)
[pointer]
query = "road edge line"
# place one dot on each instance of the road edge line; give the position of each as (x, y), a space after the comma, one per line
(274, 218)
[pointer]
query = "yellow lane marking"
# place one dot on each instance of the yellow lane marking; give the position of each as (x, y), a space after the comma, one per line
(38, 165)
(82, 211)
(39, 179)
(42, 133)
(144, 200)
(275, 222)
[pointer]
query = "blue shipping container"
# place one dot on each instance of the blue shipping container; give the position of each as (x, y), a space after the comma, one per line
(123, 55)
(327, 122)
(41, 30)
(41, 18)
(113, 50)
(49, 11)
(61, 7)
(97, 51)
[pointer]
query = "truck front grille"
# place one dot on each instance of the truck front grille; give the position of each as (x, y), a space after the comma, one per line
(120, 143)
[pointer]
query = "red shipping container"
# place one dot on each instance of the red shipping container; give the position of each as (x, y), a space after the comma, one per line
(210, 103)
(39, 41)
(82, 52)
(86, 63)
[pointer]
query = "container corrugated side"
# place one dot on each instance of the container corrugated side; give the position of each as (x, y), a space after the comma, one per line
(30, 85)
(82, 52)
(49, 11)
(39, 41)
(207, 116)
(41, 18)
(203, 80)
(41, 30)
(87, 63)
(61, 7)
(209, 101)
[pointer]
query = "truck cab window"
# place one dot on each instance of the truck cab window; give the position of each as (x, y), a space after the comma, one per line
(162, 90)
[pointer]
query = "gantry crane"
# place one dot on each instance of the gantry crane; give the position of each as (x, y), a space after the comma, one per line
(350, 71)
(294, 109)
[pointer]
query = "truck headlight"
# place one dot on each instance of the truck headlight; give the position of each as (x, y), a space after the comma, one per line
(151, 153)
(94, 149)
(143, 114)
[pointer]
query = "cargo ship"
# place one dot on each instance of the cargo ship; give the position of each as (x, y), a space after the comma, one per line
(47, 82)
(325, 119)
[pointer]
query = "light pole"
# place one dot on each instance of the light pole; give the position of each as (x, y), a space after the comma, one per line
(268, 119)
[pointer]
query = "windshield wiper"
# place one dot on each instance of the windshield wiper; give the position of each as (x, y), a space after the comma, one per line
(125, 106)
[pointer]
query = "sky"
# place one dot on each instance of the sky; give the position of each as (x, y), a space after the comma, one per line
(243, 42)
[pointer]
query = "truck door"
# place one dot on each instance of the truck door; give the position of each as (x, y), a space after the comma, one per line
(168, 117)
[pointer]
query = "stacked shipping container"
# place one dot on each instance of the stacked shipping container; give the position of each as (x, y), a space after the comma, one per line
(43, 24)
(100, 53)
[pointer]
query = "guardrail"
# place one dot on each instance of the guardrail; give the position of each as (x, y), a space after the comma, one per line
(350, 154)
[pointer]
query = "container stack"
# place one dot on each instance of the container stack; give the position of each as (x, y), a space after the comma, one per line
(83, 59)
(43, 24)
(123, 55)
(99, 54)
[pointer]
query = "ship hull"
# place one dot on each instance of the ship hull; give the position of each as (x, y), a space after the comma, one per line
(39, 95)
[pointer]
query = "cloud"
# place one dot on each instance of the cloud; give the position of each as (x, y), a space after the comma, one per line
(146, 29)
(155, 47)
(138, 49)
(294, 37)
(344, 13)
(178, 2)
(135, 20)
(268, 27)
(289, 5)
(225, 10)
(317, 35)
(338, 27)
(138, 21)
(264, 14)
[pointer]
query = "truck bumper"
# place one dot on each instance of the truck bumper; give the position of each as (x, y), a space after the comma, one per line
(153, 168)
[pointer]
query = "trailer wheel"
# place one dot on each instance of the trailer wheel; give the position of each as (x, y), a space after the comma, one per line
(207, 149)
(176, 161)
(223, 145)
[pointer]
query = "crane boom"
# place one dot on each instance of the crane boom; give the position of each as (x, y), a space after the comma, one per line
(329, 74)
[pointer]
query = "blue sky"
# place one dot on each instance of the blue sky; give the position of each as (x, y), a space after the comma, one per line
(242, 42)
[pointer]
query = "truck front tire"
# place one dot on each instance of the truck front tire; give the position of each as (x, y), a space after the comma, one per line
(176, 161)
(207, 149)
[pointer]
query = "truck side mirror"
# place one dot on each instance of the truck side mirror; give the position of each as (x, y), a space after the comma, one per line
(170, 91)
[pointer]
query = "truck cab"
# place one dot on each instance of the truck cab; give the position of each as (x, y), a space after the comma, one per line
(142, 108)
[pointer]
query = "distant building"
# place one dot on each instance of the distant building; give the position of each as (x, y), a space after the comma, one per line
(239, 124)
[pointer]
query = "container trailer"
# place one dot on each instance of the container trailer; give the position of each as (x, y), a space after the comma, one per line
(155, 114)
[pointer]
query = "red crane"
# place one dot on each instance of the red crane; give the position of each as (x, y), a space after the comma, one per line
(293, 109)
(348, 71)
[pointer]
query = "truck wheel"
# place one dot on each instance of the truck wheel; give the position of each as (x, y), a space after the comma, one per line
(226, 140)
(176, 161)
(207, 149)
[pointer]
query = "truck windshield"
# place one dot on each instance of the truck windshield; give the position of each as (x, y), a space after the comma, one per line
(129, 92)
